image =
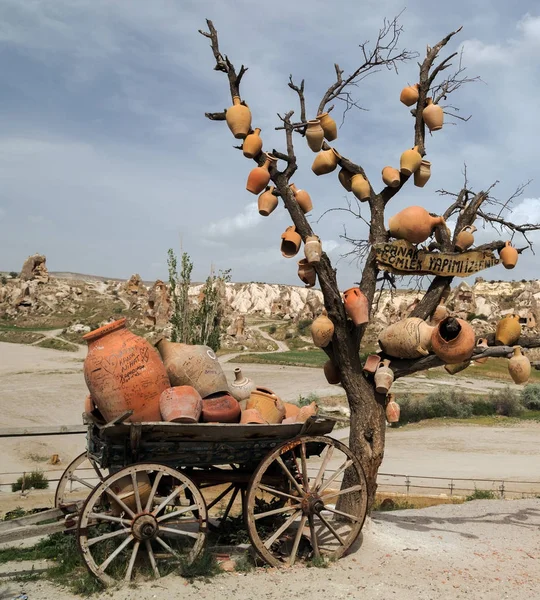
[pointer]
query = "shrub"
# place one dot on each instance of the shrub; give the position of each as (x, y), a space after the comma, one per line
(3, 279)
(303, 326)
(118, 310)
(35, 479)
(481, 495)
(506, 403)
(448, 403)
(482, 407)
(307, 400)
(13, 274)
(530, 396)
(272, 329)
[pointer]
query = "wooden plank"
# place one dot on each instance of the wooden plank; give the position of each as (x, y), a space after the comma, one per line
(45, 430)
(21, 533)
(22, 522)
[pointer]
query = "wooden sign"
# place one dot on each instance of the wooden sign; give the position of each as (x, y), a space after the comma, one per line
(402, 258)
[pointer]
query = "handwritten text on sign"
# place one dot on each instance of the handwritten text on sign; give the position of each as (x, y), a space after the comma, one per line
(401, 257)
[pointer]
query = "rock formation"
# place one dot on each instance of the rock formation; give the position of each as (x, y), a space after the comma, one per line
(34, 269)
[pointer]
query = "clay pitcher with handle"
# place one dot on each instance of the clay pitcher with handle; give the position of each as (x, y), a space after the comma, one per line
(433, 115)
(314, 135)
(384, 377)
(322, 330)
(253, 144)
(409, 95)
(303, 198)
(313, 249)
(413, 224)
(408, 338)
(422, 174)
(356, 306)
(241, 387)
(519, 366)
(509, 256)
(259, 177)
(465, 238)
(482, 344)
(238, 118)
(329, 126)
(267, 202)
(410, 161)
(307, 273)
(291, 242)
(392, 409)
(508, 331)
(453, 340)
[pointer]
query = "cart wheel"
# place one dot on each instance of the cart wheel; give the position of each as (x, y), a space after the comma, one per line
(78, 480)
(308, 526)
(141, 520)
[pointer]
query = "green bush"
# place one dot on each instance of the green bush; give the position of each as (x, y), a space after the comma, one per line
(3, 279)
(272, 329)
(35, 479)
(303, 326)
(482, 407)
(507, 403)
(307, 400)
(448, 403)
(13, 274)
(481, 495)
(530, 396)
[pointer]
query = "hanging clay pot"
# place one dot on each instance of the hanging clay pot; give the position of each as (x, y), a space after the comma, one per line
(181, 404)
(253, 144)
(123, 372)
(314, 135)
(392, 409)
(356, 306)
(259, 177)
(291, 410)
(440, 313)
(360, 187)
(306, 412)
(329, 126)
(241, 387)
(371, 364)
(458, 367)
(408, 338)
(453, 340)
(390, 177)
(307, 273)
(313, 249)
(509, 256)
(291, 242)
(303, 198)
(508, 331)
(482, 343)
(413, 224)
(409, 95)
(422, 174)
(345, 177)
(331, 373)
(465, 238)
(519, 366)
(220, 408)
(267, 202)
(238, 118)
(251, 416)
(384, 377)
(433, 115)
(268, 404)
(410, 161)
(325, 162)
(322, 330)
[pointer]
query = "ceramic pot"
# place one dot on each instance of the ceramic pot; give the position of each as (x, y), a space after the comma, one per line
(181, 404)
(409, 95)
(519, 366)
(307, 273)
(509, 256)
(408, 338)
(325, 162)
(345, 177)
(303, 198)
(384, 377)
(360, 187)
(252, 416)
(331, 373)
(125, 490)
(433, 115)
(390, 177)
(422, 174)
(291, 410)
(220, 408)
(268, 404)
(267, 202)
(306, 412)
(260, 176)
(238, 118)
(196, 366)
(313, 249)
(289, 421)
(453, 340)
(322, 330)
(253, 144)
(291, 242)
(392, 409)
(453, 369)
(508, 331)
(410, 161)
(371, 364)
(314, 135)
(413, 224)
(482, 343)
(329, 126)
(123, 372)
(241, 387)
(441, 312)
(356, 306)
(465, 238)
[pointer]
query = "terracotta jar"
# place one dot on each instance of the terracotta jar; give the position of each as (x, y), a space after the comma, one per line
(356, 306)
(433, 115)
(457, 368)
(453, 340)
(519, 366)
(306, 412)
(408, 338)
(303, 198)
(181, 404)
(465, 238)
(384, 377)
(220, 408)
(123, 372)
(422, 174)
(267, 202)
(482, 344)
(392, 409)
(253, 144)
(345, 177)
(390, 177)
(372, 363)
(441, 312)
(413, 224)
(360, 187)
(329, 126)
(251, 416)
(322, 330)
(325, 162)
(410, 161)
(238, 118)
(291, 242)
(268, 404)
(331, 373)
(259, 177)
(313, 249)
(197, 366)
(314, 135)
(307, 273)
(509, 256)
(508, 331)
(409, 95)
(124, 489)
(241, 387)
(291, 410)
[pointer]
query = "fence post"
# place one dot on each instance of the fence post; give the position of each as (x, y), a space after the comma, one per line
(501, 489)
(407, 483)
(451, 486)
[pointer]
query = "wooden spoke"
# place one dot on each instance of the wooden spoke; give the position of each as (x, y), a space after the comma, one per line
(136, 492)
(176, 513)
(173, 531)
(354, 488)
(276, 511)
(335, 475)
(152, 495)
(109, 518)
(81, 481)
(297, 539)
(132, 560)
(314, 541)
(326, 460)
(332, 530)
(283, 528)
(342, 514)
(107, 536)
(303, 460)
(79, 471)
(168, 499)
(164, 544)
(285, 469)
(120, 502)
(152, 558)
(277, 493)
(103, 566)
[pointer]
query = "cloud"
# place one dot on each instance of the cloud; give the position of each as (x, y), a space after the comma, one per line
(248, 218)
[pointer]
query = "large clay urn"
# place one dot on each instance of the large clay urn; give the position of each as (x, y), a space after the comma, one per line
(345, 177)
(519, 366)
(307, 273)
(253, 144)
(390, 177)
(384, 377)
(482, 344)
(197, 366)
(267, 202)
(356, 306)
(238, 118)
(422, 174)
(392, 409)
(313, 249)
(331, 373)
(509, 256)
(433, 115)
(241, 387)
(123, 372)
(220, 408)
(303, 198)
(291, 242)
(360, 187)
(508, 331)
(181, 404)
(453, 340)
(408, 338)
(259, 177)
(315, 135)
(410, 161)
(322, 330)
(409, 95)
(329, 126)
(268, 404)
(465, 238)
(413, 224)
(325, 162)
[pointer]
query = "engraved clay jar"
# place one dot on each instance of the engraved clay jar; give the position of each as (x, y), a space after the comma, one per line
(345, 177)
(123, 372)
(325, 162)
(307, 273)
(482, 344)
(356, 306)
(331, 373)
(509, 256)
(259, 177)
(238, 118)
(410, 161)
(322, 330)
(303, 198)
(392, 409)
(453, 340)
(408, 338)
(409, 95)
(220, 408)
(291, 242)
(508, 331)
(181, 404)
(465, 238)
(315, 135)
(313, 249)
(519, 366)
(360, 187)
(329, 126)
(422, 174)
(252, 144)
(268, 404)
(433, 115)
(267, 202)
(384, 377)
(390, 177)
(413, 224)
(241, 387)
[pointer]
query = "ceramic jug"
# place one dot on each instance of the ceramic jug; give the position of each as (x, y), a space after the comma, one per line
(519, 366)
(322, 330)
(314, 135)
(253, 144)
(259, 177)
(384, 377)
(360, 187)
(482, 344)
(433, 115)
(313, 249)
(410, 161)
(238, 118)
(220, 408)
(408, 338)
(465, 238)
(392, 409)
(291, 242)
(356, 306)
(329, 126)
(307, 273)
(267, 202)
(268, 404)
(181, 404)
(422, 174)
(325, 162)
(413, 224)
(241, 388)
(409, 95)
(303, 198)
(509, 256)
(390, 177)
(453, 340)
(508, 331)
(331, 373)
(345, 177)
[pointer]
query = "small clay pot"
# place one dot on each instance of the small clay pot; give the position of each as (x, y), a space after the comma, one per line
(392, 409)
(252, 416)
(307, 273)
(390, 177)
(267, 202)
(409, 95)
(331, 373)
(221, 408)
(519, 366)
(180, 404)
(345, 177)
(360, 187)
(465, 238)
(410, 161)
(291, 242)
(314, 135)
(303, 198)
(259, 177)
(356, 306)
(509, 256)
(253, 144)
(325, 162)
(508, 331)
(384, 377)
(238, 118)
(482, 343)
(329, 126)
(322, 330)
(433, 115)
(268, 404)
(306, 412)
(313, 249)
(241, 387)
(422, 174)
(372, 363)
(291, 410)
(453, 340)
(413, 224)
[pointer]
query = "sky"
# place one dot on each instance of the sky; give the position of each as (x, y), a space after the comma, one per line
(107, 159)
